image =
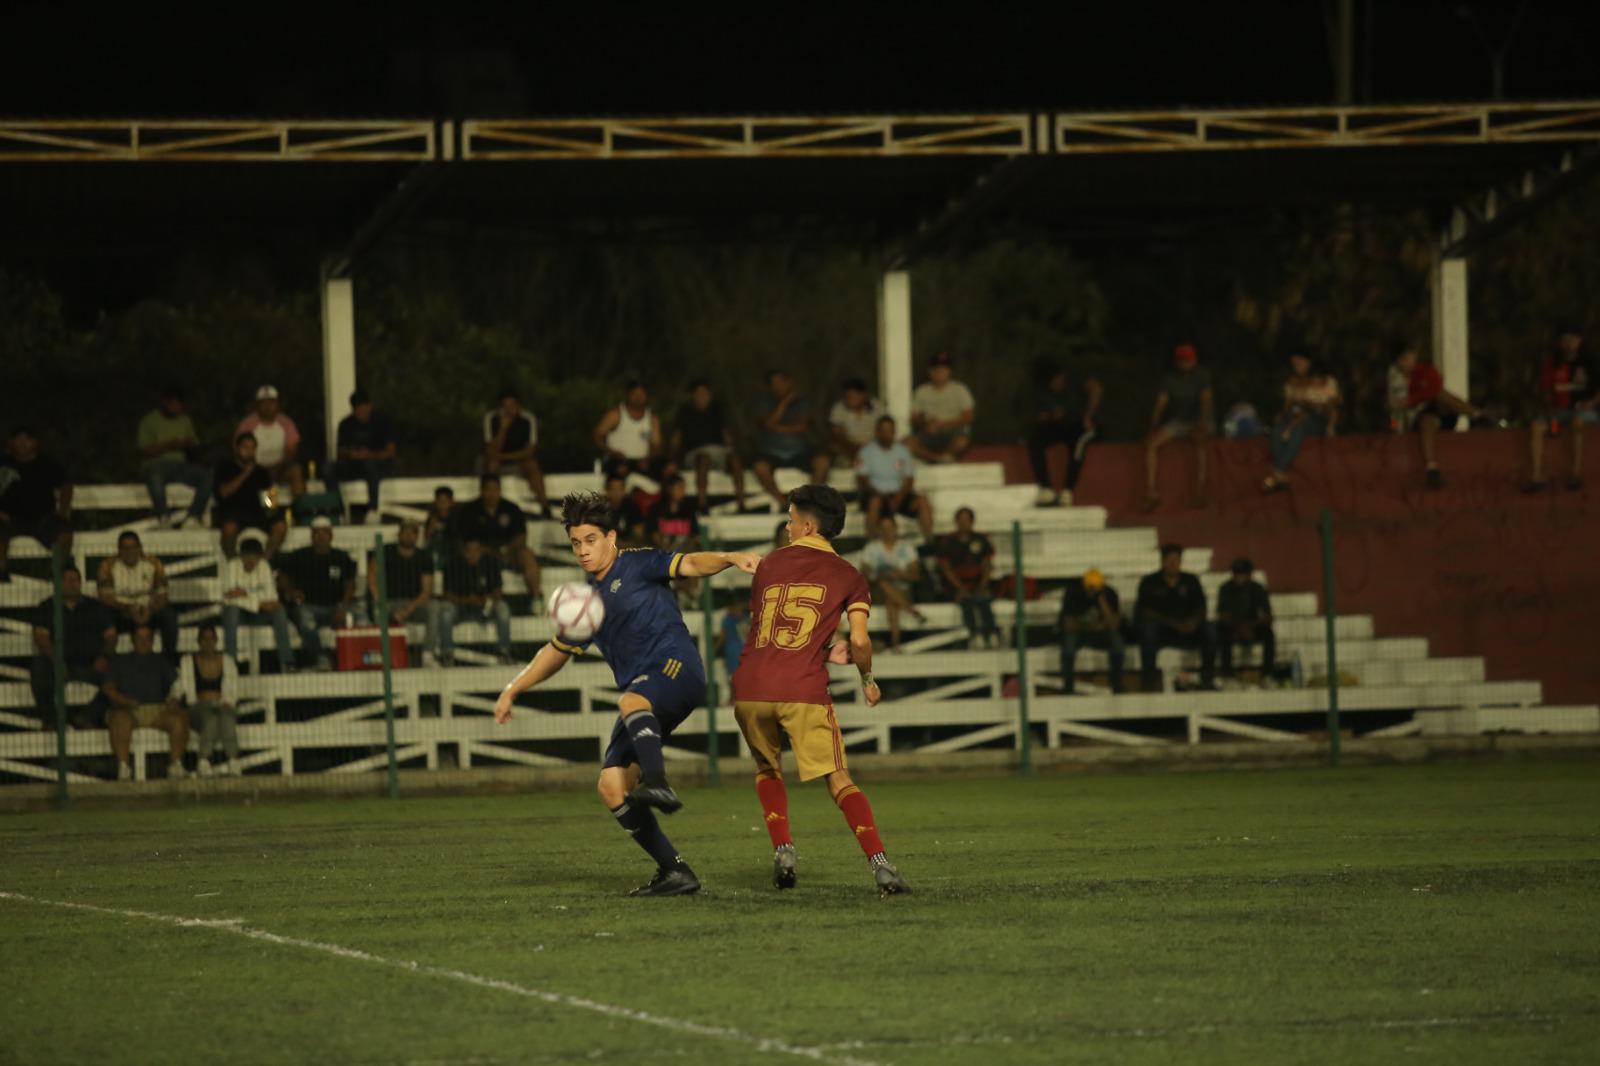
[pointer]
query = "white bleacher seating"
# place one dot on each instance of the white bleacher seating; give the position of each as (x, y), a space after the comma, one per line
(934, 685)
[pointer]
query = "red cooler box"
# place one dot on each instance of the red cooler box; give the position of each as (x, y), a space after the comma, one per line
(359, 648)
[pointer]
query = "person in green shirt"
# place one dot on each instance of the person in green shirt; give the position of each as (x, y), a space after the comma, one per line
(167, 452)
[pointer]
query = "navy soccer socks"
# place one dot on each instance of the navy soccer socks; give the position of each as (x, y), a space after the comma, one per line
(645, 731)
(640, 822)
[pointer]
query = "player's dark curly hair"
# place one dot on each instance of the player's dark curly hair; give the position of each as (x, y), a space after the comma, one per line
(588, 509)
(823, 503)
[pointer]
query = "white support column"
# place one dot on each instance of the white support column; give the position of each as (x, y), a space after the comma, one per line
(338, 353)
(1450, 336)
(894, 346)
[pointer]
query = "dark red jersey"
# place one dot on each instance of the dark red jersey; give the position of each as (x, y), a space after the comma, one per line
(798, 596)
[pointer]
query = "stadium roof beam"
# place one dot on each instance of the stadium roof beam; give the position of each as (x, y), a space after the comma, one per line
(223, 140)
(1326, 127)
(748, 137)
(796, 136)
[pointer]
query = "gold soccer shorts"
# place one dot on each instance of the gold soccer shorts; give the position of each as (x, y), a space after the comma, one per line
(813, 734)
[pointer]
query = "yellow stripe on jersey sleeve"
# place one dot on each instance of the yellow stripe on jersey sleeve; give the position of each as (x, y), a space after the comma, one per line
(565, 648)
(676, 564)
(867, 607)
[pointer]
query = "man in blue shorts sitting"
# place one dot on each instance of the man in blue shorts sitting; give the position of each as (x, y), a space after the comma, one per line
(655, 662)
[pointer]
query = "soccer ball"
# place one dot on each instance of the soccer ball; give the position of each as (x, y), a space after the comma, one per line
(576, 611)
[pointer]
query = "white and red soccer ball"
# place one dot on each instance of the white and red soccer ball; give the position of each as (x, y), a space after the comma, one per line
(576, 612)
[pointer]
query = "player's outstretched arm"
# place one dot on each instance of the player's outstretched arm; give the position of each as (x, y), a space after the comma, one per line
(704, 564)
(543, 665)
(861, 655)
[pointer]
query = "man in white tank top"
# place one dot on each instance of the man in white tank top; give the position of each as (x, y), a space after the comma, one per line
(134, 586)
(629, 436)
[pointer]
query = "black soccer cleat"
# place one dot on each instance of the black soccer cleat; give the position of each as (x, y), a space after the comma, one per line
(657, 794)
(783, 867)
(678, 881)
(889, 881)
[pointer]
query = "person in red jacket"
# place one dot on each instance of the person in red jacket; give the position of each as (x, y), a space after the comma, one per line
(1567, 398)
(1418, 400)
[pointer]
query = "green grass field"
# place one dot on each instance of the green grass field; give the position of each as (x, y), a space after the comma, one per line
(1445, 913)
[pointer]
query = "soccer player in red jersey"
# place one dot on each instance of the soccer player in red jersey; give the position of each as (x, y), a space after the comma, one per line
(799, 593)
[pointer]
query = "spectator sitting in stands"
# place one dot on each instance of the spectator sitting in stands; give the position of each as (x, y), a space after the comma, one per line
(629, 435)
(1310, 408)
(1061, 415)
(5, 562)
(366, 451)
(407, 578)
(436, 529)
(1091, 616)
(887, 476)
(702, 442)
(1183, 408)
(90, 640)
(941, 415)
(1244, 616)
(141, 691)
(249, 592)
(1171, 613)
(630, 516)
(35, 495)
(672, 524)
(966, 558)
(783, 422)
(852, 423)
(472, 591)
(500, 527)
(277, 441)
(245, 498)
(1417, 399)
(209, 682)
(320, 582)
(890, 565)
(133, 586)
(511, 445)
(1568, 394)
(168, 447)
(673, 527)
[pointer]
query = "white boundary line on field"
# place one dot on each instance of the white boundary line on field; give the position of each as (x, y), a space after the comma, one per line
(677, 1025)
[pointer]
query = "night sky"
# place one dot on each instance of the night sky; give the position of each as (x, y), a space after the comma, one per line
(596, 59)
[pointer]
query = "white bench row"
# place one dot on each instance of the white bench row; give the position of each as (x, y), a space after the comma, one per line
(132, 496)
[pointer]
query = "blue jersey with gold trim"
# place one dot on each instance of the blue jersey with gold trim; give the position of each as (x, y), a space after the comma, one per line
(643, 632)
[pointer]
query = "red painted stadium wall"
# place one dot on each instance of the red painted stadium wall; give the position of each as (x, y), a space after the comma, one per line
(1477, 567)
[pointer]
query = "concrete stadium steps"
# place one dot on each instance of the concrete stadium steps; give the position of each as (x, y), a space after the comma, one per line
(1387, 676)
(1459, 721)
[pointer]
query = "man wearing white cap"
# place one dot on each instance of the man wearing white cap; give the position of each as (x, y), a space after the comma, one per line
(319, 586)
(277, 441)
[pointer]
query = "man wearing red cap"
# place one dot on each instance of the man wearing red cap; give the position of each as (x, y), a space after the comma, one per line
(1183, 409)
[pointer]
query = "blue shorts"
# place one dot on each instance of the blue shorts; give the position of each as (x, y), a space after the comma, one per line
(1566, 416)
(673, 699)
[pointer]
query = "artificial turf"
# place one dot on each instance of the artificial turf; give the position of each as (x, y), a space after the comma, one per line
(1444, 913)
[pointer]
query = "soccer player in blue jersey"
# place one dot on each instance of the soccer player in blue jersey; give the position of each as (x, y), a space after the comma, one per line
(656, 664)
